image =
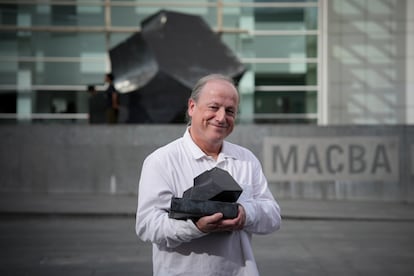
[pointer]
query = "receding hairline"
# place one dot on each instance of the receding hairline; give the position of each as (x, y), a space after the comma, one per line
(195, 93)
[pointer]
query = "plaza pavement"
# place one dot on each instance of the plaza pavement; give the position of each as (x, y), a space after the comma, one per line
(78, 234)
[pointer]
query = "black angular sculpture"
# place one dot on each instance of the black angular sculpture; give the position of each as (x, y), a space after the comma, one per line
(214, 191)
(156, 68)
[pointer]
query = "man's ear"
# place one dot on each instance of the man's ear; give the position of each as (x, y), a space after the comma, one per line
(191, 105)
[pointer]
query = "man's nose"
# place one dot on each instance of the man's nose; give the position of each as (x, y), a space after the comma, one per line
(221, 114)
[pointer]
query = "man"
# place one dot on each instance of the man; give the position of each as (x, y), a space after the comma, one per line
(97, 104)
(112, 108)
(211, 245)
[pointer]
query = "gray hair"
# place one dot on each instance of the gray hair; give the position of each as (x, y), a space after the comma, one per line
(195, 93)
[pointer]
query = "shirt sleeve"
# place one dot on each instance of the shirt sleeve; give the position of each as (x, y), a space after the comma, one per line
(262, 210)
(154, 198)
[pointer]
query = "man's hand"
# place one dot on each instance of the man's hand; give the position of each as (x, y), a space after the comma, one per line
(215, 223)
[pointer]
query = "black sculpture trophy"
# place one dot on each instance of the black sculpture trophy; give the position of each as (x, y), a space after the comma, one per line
(214, 191)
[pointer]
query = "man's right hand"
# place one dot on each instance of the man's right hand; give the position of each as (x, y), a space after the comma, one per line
(216, 223)
(209, 224)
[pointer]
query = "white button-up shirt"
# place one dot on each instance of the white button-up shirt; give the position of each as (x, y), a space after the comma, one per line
(179, 247)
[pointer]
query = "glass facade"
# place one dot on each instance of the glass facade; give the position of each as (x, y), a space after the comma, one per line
(50, 52)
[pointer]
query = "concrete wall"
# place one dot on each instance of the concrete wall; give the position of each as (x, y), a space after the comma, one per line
(344, 162)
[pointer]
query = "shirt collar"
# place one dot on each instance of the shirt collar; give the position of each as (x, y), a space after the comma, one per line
(198, 153)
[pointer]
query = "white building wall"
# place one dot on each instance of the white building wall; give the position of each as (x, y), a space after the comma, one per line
(368, 62)
(410, 63)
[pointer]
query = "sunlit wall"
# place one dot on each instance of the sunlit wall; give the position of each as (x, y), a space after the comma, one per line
(370, 61)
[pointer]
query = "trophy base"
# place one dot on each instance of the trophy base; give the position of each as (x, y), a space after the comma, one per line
(184, 208)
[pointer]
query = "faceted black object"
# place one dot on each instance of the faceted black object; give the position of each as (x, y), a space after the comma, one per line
(215, 184)
(155, 69)
(214, 191)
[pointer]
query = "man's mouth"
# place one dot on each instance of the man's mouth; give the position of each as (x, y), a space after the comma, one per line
(219, 125)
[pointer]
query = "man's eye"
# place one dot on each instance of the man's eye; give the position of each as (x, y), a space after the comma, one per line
(213, 107)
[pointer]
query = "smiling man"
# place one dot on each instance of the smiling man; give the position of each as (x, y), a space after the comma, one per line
(211, 245)
(212, 110)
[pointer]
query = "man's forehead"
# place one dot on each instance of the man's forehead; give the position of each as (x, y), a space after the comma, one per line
(214, 85)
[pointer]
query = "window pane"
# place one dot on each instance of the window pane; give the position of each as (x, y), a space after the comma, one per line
(53, 44)
(285, 102)
(283, 46)
(27, 15)
(288, 102)
(8, 71)
(127, 16)
(285, 74)
(234, 42)
(68, 73)
(57, 102)
(285, 18)
(117, 38)
(7, 102)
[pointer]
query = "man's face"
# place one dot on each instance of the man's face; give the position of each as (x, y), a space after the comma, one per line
(213, 115)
